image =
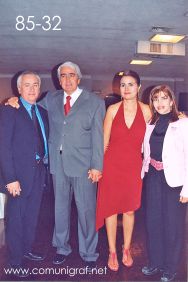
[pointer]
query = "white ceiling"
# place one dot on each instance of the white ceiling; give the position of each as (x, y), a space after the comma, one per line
(99, 35)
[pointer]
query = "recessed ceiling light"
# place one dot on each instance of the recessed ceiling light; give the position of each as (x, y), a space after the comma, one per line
(140, 62)
(167, 38)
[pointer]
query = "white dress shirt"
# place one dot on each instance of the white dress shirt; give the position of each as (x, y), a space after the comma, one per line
(74, 96)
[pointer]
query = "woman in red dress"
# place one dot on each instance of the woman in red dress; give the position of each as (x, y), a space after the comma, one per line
(119, 189)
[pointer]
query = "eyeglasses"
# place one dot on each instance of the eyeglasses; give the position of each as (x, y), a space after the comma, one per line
(68, 75)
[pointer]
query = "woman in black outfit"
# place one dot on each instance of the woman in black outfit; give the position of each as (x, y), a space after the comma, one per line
(166, 165)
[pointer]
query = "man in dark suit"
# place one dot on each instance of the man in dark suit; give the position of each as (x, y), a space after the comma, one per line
(76, 160)
(23, 151)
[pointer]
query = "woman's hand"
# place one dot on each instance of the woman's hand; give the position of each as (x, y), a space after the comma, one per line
(94, 175)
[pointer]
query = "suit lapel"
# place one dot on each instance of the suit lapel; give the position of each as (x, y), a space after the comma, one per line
(79, 102)
(173, 125)
(24, 113)
(59, 104)
(150, 128)
(27, 118)
(45, 121)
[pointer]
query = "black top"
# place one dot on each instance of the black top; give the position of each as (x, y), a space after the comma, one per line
(157, 136)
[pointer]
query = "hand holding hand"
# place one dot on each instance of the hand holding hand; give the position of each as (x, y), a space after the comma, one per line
(94, 175)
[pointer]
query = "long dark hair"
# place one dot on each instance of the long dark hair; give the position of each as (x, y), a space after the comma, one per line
(167, 91)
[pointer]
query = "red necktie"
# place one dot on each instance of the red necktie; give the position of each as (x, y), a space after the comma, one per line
(67, 106)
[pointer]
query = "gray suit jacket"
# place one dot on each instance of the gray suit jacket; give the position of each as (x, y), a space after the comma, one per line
(80, 132)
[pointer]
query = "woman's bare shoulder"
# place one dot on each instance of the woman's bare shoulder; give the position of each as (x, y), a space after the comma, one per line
(114, 106)
(112, 109)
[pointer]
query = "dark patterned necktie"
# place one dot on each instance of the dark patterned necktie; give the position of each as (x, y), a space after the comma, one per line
(67, 106)
(40, 139)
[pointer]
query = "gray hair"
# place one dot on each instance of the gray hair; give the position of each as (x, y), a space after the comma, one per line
(19, 79)
(71, 65)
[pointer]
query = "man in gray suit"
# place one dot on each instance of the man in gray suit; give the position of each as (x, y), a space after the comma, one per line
(76, 159)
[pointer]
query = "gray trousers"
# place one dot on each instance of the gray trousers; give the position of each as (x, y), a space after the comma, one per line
(85, 198)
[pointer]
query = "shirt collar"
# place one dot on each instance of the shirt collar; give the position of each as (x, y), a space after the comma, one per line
(26, 104)
(74, 95)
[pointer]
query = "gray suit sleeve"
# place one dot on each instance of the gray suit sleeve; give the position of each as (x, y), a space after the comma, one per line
(44, 101)
(97, 138)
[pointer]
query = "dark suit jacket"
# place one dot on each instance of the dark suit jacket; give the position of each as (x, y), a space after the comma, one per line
(18, 146)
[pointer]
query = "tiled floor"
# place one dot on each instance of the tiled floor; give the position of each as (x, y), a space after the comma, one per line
(67, 271)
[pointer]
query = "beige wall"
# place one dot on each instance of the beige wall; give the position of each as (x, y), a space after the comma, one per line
(5, 88)
(98, 84)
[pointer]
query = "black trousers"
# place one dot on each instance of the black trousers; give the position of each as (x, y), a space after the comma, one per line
(22, 215)
(165, 222)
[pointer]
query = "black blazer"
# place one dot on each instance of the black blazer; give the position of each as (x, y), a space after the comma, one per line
(18, 146)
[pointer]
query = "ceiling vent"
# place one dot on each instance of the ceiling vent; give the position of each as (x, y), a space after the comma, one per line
(163, 49)
(161, 29)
